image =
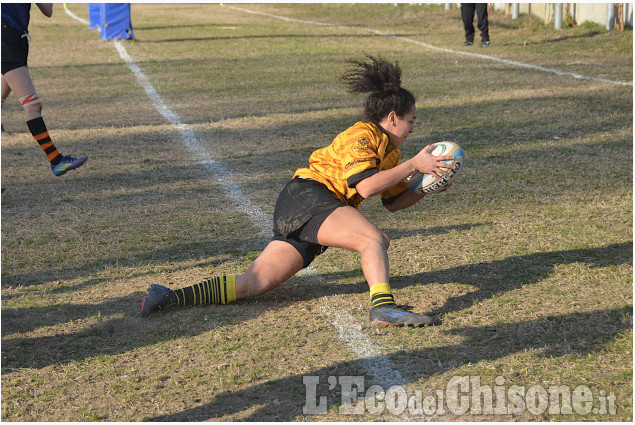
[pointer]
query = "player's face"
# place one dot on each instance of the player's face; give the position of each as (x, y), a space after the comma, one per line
(403, 126)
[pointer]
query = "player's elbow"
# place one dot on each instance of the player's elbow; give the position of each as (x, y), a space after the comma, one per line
(365, 194)
(46, 9)
(392, 208)
(365, 189)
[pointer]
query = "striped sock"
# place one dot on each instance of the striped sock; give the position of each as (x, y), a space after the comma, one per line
(41, 135)
(217, 290)
(381, 294)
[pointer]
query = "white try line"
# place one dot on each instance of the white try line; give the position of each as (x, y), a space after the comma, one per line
(72, 15)
(441, 49)
(216, 169)
(350, 332)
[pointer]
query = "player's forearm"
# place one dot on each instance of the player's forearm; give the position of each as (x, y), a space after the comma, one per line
(403, 201)
(384, 180)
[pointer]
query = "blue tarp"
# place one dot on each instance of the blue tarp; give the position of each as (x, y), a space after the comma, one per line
(112, 19)
(94, 15)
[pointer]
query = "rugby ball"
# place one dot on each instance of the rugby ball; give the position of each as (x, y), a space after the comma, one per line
(424, 184)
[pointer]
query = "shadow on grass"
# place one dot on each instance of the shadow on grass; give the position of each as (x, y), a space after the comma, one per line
(270, 36)
(33, 194)
(283, 399)
(495, 277)
(30, 318)
(110, 336)
(589, 34)
(177, 252)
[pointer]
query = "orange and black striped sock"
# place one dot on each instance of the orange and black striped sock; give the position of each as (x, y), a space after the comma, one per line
(217, 290)
(41, 135)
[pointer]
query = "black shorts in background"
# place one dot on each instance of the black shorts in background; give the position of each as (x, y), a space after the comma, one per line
(15, 49)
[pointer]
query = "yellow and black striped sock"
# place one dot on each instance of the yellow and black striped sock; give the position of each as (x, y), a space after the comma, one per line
(41, 135)
(381, 294)
(217, 290)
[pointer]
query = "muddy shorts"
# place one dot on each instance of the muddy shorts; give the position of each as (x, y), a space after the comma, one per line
(15, 49)
(302, 207)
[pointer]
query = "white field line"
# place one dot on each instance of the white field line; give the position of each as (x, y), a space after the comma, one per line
(216, 169)
(72, 15)
(441, 49)
(373, 360)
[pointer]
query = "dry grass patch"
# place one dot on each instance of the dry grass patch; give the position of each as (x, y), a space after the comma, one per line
(527, 259)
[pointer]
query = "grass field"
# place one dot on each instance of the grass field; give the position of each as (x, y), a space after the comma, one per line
(527, 259)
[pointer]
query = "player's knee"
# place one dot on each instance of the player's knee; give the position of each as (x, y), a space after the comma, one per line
(377, 240)
(31, 101)
(31, 104)
(386, 240)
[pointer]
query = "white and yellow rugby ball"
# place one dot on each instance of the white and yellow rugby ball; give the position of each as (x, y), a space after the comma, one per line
(424, 184)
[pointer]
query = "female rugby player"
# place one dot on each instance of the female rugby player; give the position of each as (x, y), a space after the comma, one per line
(318, 208)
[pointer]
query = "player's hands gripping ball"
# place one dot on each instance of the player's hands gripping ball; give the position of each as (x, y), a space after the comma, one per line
(433, 181)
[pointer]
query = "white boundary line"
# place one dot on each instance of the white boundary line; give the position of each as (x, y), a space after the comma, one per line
(350, 332)
(430, 46)
(72, 15)
(216, 169)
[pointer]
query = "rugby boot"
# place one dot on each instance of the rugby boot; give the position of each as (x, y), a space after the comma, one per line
(157, 299)
(68, 163)
(398, 315)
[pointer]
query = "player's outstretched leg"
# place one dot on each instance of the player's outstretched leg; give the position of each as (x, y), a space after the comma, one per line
(217, 290)
(274, 266)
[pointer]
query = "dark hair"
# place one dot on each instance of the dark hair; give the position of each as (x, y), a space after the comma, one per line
(382, 80)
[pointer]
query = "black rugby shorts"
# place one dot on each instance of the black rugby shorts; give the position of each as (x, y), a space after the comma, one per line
(302, 207)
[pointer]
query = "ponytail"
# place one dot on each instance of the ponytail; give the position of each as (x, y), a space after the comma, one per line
(382, 80)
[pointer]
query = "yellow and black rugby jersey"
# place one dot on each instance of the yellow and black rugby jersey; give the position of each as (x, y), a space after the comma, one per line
(355, 154)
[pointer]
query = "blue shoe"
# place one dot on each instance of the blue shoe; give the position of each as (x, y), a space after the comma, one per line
(398, 315)
(156, 299)
(67, 163)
